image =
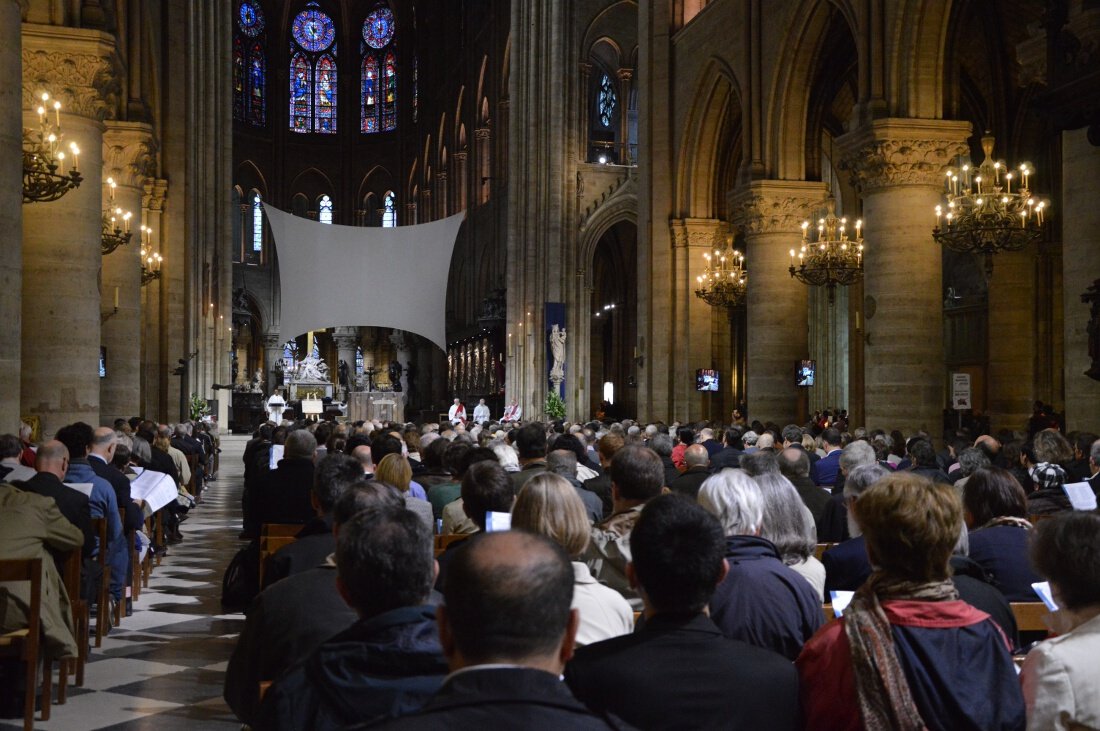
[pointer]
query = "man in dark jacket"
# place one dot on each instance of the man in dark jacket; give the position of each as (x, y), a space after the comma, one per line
(52, 462)
(794, 464)
(704, 679)
(697, 460)
(507, 631)
(730, 456)
(284, 495)
(104, 442)
(389, 662)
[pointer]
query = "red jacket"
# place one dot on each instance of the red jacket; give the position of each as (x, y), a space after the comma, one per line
(956, 659)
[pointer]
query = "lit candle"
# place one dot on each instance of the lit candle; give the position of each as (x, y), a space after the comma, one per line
(859, 228)
(792, 257)
(41, 114)
(116, 297)
(76, 155)
(978, 180)
(57, 113)
(805, 229)
(1008, 182)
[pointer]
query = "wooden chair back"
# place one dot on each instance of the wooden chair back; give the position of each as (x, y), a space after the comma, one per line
(1029, 616)
(103, 594)
(274, 536)
(821, 548)
(24, 644)
(446, 539)
(73, 566)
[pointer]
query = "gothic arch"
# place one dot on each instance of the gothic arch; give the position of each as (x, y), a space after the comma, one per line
(617, 23)
(249, 177)
(715, 113)
(621, 206)
(788, 110)
(917, 58)
(312, 183)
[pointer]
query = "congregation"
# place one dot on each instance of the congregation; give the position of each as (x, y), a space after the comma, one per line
(381, 589)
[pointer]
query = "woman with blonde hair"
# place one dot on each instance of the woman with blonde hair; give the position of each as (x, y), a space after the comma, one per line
(549, 506)
(394, 470)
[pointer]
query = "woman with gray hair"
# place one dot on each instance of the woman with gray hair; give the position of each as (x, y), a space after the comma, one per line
(761, 601)
(789, 524)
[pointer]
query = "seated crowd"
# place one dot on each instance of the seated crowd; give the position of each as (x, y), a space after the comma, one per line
(668, 585)
(52, 493)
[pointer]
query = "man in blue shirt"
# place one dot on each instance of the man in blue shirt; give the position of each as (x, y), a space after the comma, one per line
(77, 438)
(824, 470)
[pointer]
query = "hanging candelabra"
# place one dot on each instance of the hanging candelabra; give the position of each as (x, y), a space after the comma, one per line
(983, 214)
(44, 177)
(116, 223)
(829, 257)
(724, 280)
(150, 261)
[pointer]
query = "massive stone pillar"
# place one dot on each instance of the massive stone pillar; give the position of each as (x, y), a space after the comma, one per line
(771, 213)
(1081, 267)
(11, 214)
(61, 240)
(154, 358)
(898, 165)
(1012, 351)
(273, 352)
(128, 158)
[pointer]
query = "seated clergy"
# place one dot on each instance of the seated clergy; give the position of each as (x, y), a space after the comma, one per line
(390, 661)
(678, 671)
(908, 653)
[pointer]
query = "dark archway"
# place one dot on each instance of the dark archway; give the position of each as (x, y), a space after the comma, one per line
(614, 320)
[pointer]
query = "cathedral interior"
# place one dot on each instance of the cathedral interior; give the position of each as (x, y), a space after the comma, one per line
(599, 150)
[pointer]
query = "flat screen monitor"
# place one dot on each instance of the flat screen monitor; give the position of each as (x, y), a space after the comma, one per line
(706, 379)
(807, 372)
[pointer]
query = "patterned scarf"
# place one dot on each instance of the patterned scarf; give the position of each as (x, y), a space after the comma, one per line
(1009, 521)
(885, 701)
(1048, 475)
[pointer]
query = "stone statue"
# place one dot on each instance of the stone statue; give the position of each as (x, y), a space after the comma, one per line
(258, 381)
(395, 375)
(557, 349)
(311, 369)
(342, 369)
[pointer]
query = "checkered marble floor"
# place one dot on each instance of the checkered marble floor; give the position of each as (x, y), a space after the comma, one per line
(163, 669)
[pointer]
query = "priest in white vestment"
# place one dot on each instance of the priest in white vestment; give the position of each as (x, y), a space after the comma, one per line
(457, 412)
(481, 412)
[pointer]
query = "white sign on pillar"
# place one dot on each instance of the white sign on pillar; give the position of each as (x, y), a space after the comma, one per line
(960, 391)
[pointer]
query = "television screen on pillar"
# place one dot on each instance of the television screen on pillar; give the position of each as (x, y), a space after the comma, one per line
(807, 372)
(706, 379)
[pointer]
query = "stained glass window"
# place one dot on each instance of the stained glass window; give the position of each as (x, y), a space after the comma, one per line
(301, 94)
(359, 360)
(607, 101)
(325, 105)
(378, 72)
(238, 79)
(257, 223)
(368, 94)
(290, 352)
(389, 211)
(257, 83)
(389, 90)
(416, 89)
(316, 353)
(250, 18)
(313, 30)
(324, 210)
(378, 28)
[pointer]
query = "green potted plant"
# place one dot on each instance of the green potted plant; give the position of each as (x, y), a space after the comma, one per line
(555, 407)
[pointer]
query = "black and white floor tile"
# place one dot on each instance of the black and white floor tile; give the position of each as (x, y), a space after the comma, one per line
(163, 669)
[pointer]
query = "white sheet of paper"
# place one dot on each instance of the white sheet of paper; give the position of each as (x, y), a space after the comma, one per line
(497, 522)
(84, 487)
(276, 455)
(1042, 588)
(1080, 495)
(841, 600)
(155, 488)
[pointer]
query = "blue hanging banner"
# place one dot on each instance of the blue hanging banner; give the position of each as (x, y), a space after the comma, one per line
(555, 318)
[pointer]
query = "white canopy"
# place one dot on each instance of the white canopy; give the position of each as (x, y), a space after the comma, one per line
(350, 276)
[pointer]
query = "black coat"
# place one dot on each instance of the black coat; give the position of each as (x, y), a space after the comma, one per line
(502, 699)
(688, 483)
(283, 494)
(601, 485)
(161, 461)
(728, 457)
(846, 566)
(380, 667)
(73, 504)
(134, 517)
(814, 497)
(680, 672)
(313, 544)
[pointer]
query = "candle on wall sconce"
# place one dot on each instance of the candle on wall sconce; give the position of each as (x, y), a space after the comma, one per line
(116, 298)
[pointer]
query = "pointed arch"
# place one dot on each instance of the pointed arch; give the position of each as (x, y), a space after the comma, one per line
(713, 130)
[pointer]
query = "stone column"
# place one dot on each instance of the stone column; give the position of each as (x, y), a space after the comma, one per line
(1012, 352)
(273, 352)
(128, 154)
(898, 166)
(346, 339)
(61, 239)
(770, 212)
(154, 361)
(11, 214)
(1081, 267)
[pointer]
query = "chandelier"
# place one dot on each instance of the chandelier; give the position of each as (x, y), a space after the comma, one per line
(723, 282)
(829, 257)
(984, 215)
(150, 262)
(43, 156)
(116, 223)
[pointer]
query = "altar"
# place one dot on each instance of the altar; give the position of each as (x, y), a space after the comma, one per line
(376, 406)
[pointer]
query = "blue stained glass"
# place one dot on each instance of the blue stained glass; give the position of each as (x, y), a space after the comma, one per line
(238, 80)
(389, 211)
(250, 18)
(257, 223)
(324, 210)
(325, 105)
(359, 360)
(368, 95)
(257, 79)
(607, 101)
(378, 28)
(389, 89)
(313, 30)
(301, 94)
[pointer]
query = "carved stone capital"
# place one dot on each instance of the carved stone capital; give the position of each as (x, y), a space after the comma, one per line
(896, 152)
(697, 232)
(156, 190)
(272, 340)
(129, 153)
(482, 133)
(79, 67)
(775, 206)
(625, 74)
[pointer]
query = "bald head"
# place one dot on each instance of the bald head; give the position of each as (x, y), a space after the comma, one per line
(508, 598)
(104, 440)
(52, 457)
(696, 456)
(362, 455)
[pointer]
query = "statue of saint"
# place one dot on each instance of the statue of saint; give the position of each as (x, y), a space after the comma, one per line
(557, 349)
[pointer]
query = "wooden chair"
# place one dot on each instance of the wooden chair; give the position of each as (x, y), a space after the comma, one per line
(1029, 616)
(79, 607)
(446, 539)
(280, 529)
(274, 536)
(193, 483)
(827, 610)
(103, 595)
(821, 548)
(24, 644)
